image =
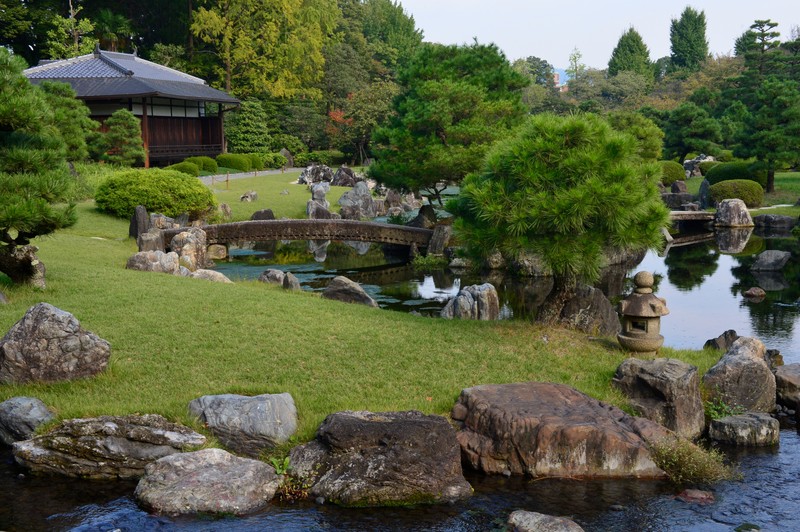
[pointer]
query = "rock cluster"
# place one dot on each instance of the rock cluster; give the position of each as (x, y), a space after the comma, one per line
(358, 203)
(287, 280)
(315, 173)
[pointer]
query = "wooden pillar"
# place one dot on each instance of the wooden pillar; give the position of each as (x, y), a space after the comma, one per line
(145, 134)
(222, 128)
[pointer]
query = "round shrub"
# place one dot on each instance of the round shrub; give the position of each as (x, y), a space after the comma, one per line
(186, 167)
(237, 161)
(736, 170)
(725, 156)
(166, 191)
(256, 161)
(671, 172)
(273, 160)
(290, 142)
(705, 166)
(750, 192)
(205, 163)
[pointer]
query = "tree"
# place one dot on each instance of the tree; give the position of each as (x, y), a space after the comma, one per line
(647, 133)
(772, 128)
(34, 178)
(575, 72)
(457, 101)
(689, 128)
(539, 71)
(566, 189)
(630, 55)
(70, 117)
(688, 44)
(246, 129)
(391, 33)
(68, 36)
(123, 139)
(111, 29)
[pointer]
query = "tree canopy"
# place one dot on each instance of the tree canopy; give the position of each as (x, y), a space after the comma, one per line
(630, 55)
(688, 43)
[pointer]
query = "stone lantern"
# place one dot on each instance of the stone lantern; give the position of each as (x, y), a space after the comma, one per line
(641, 317)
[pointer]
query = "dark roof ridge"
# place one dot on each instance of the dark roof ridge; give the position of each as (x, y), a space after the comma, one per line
(112, 64)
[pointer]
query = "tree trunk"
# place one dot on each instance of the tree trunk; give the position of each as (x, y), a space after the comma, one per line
(770, 177)
(23, 266)
(550, 311)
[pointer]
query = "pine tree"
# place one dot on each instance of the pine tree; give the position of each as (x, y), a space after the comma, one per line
(631, 55)
(688, 43)
(246, 129)
(123, 139)
(71, 118)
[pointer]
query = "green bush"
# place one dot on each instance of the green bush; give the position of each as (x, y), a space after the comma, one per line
(205, 163)
(186, 167)
(686, 463)
(326, 157)
(166, 191)
(273, 160)
(736, 170)
(750, 192)
(705, 166)
(671, 172)
(256, 161)
(290, 142)
(237, 161)
(725, 156)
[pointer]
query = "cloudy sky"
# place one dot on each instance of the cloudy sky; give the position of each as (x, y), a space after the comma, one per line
(551, 29)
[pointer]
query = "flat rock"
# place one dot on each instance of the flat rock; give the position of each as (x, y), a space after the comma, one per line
(742, 377)
(20, 416)
(775, 221)
(382, 459)
(105, 447)
(49, 345)
(522, 521)
(210, 275)
(752, 429)
(343, 289)
(787, 383)
(771, 260)
(248, 425)
(544, 429)
(210, 481)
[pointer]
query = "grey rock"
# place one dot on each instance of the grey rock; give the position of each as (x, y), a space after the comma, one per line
(440, 239)
(225, 211)
(249, 196)
(674, 200)
(106, 447)
(272, 276)
(382, 459)
(190, 246)
(155, 261)
(495, 261)
(771, 260)
(475, 302)
(152, 240)
(216, 252)
(393, 200)
(263, 214)
(319, 248)
(20, 416)
(531, 265)
(522, 521)
(590, 311)
(290, 281)
(140, 222)
(775, 222)
(664, 390)
(49, 345)
(210, 275)
(459, 263)
(357, 203)
(742, 377)
(679, 187)
(426, 218)
(344, 177)
(248, 425)
(723, 341)
(704, 195)
(787, 383)
(315, 173)
(752, 429)
(210, 481)
(159, 221)
(343, 289)
(289, 158)
(733, 213)
(316, 211)
(395, 211)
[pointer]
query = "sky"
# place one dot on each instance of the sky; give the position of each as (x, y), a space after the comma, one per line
(551, 29)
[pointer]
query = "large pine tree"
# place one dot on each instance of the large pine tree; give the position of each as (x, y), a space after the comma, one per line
(688, 44)
(630, 55)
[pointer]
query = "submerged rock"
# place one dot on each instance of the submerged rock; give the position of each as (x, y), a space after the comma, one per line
(522, 521)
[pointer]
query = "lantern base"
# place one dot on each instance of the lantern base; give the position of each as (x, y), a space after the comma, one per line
(640, 345)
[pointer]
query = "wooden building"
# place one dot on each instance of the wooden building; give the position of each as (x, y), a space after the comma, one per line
(180, 114)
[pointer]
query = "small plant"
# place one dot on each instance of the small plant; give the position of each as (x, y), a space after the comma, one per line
(686, 463)
(292, 490)
(281, 465)
(717, 408)
(429, 262)
(399, 218)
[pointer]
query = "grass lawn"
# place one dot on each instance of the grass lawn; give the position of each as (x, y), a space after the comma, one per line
(174, 339)
(787, 192)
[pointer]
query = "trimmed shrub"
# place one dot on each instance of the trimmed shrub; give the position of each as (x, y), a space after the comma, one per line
(725, 156)
(205, 163)
(273, 160)
(750, 192)
(736, 170)
(671, 172)
(237, 161)
(186, 167)
(326, 157)
(256, 161)
(166, 191)
(705, 166)
(290, 142)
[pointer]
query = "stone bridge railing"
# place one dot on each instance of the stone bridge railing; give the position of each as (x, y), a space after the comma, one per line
(267, 230)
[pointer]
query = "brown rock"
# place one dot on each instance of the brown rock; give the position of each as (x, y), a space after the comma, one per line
(343, 289)
(755, 293)
(787, 382)
(742, 378)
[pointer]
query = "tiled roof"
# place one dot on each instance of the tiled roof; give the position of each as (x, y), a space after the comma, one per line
(112, 74)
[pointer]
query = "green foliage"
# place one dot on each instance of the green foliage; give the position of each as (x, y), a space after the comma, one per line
(205, 163)
(69, 36)
(717, 408)
(280, 141)
(649, 135)
(686, 463)
(256, 161)
(671, 172)
(705, 166)
(71, 117)
(690, 128)
(428, 263)
(736, 170)
(688, 44)
(166, 191)
(631, 55)
(237, 161)
(750, 192)
(326, 157)
(565, 188)
(123, 139)
(281, 465)
(185, 167)
(245, 129)
(273, 160)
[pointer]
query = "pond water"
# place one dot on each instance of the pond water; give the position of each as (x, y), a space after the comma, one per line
(703, 290)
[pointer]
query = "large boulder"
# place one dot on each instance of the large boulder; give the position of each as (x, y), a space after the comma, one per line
(522, 521)
(344, 177)
(476, 302)
(20, 416)
(357, 204)
(674, 200)
(140, 222)
(49, 345)
(771, 260)
(590, 311)
(733, 213)
(664, 390)
(425, 218)
(155, 261)
(210, 481)
(343, 289)
(723, 341)
(190, 245)
(545, 429)
(263, 214)
(382, 459)
(315, 173)
(247, 425)
(752, 429)
(742, 377)
(105, 447)
(787, 384)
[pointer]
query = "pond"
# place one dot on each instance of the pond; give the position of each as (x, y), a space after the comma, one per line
(703, 289)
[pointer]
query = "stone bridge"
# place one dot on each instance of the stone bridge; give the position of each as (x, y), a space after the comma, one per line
(267, 230)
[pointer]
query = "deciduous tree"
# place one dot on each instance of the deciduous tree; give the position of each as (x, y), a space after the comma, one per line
(687, 37)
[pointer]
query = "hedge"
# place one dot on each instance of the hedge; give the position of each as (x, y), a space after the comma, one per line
(273, 160)
(750, 192)
(169, 192)
(672, 171)
(736, 170)
(237, 161)
(186, 167)
(326, 157)
(205, 163)
(256, 161)
(705, 166)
